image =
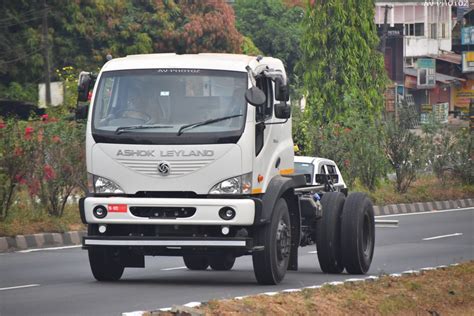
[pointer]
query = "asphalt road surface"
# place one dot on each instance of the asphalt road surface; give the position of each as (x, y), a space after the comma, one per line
(59, 282)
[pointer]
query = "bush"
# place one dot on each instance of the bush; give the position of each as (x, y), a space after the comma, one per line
(45, 157)
(403, 149)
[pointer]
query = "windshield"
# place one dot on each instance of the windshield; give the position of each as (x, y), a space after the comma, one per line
(305, 168)
(162, 101)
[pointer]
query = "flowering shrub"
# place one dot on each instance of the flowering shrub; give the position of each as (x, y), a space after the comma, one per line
(45, 157)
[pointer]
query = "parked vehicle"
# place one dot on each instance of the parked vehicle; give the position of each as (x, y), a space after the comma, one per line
(192, 156)
(318, 170)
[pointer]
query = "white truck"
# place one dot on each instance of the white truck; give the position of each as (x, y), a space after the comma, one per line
(317, 170)
(192, 156)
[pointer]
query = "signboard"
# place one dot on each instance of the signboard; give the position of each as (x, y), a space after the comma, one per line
(426, 73)
(468, 62)
(467, 35)
(57, 94)
(440, 112)
(464, 94)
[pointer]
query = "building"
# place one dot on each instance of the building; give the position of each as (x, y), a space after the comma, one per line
(418, 54)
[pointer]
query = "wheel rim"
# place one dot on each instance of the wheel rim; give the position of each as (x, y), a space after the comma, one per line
(283, 240)
(367, 235)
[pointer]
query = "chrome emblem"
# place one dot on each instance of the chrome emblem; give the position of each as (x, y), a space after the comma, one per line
(164, 168)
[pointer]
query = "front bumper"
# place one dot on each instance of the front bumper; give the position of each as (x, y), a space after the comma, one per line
(182, 242)
(206, 211)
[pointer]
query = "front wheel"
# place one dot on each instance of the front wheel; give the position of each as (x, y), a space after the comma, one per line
(106, 264)
(196, 262)
(271, 263)
(222, 263)
(358, 233)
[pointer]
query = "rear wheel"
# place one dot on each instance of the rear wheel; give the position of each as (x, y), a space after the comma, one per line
(222, 263)
(328, 233)
(271, 263)
(358, 233)
(197, 262)
(106, 264)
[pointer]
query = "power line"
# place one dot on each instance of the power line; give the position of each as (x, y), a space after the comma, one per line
(33, 11)
(21, 57)
(21, 22)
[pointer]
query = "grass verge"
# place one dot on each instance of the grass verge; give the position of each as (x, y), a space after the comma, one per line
(426, 188)
(25, 218)
(447, 291)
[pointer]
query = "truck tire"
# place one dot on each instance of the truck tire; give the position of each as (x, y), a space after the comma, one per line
(328, 233)
(358, 233)
(197, 262)
(222, 263)
(271, 263)
(105, 264)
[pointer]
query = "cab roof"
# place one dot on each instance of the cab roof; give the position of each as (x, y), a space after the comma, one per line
(230, 62)
(312, 160)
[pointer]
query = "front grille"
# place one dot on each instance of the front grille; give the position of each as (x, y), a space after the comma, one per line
(162, 212)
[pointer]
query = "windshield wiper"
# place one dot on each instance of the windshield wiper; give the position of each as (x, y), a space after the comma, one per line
(193, 125)
(124, 129)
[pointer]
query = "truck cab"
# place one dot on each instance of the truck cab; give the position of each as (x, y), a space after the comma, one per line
(192, 156)
(317, 170)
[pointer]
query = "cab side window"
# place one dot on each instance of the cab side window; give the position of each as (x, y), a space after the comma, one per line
(266, 111)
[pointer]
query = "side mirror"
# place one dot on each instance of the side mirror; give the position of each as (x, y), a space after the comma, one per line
(83, 88)
(255, 96)
(282, 110)
(282, 91)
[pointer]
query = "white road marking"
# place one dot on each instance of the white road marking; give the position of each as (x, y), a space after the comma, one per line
(18, 287)
(175, 268)
(312, 251)
(52, 248)
(443, 236)
(429, 212)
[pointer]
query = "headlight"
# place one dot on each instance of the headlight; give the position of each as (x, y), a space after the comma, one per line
(98, 184)
(236, 185)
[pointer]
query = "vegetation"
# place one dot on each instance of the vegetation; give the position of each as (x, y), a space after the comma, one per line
(274, 26)
(343, 71)
(82, 33)
(448, 291)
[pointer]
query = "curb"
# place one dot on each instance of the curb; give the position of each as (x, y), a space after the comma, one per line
(393, 209)
(189, 308)
(22, 242)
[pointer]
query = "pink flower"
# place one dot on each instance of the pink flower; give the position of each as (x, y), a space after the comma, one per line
(49, 173)
(44, 117)
(28, 132)
(2, 125)
(56, 139)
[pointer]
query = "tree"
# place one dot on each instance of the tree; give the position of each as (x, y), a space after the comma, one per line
(274, 26)
(82, 33)
(341, 65)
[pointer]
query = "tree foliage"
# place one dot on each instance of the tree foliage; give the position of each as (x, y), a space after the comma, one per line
(342, 68)
(274, 26)
(83, 32)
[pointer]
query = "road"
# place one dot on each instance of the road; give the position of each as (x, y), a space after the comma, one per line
(59, 282)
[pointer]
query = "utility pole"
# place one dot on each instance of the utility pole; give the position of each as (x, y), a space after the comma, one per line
(47, 70)
(385, 30)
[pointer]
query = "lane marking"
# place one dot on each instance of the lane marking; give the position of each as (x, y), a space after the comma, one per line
(18, 287)
(312, 251)
(175, 268)
(429, 212)
(443, 236)
(44, 249)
